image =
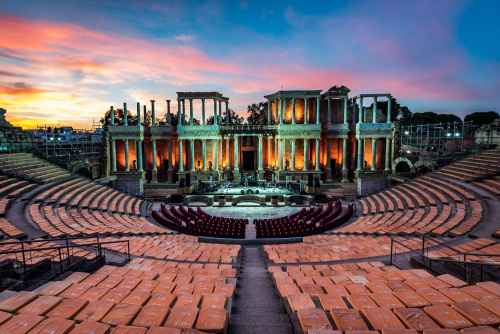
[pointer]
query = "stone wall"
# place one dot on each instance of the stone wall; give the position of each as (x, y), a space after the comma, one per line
(130, 186)
(14, 139)
(369, 185)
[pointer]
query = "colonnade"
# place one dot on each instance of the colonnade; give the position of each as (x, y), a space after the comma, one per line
(360, 150)
(345, 99)
(217, 111)
(282, 106)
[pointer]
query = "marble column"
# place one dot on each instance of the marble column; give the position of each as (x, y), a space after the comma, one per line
(169, 141)
(154, 172)
(227, 113)
(169, 116)
(220, 112)
(269, 151)
(269, 112)
(389, 101)
(360, 155)
(317, 154)
(193, 165)
(388, 154)
(125, 115)
(228, 164)
(127, 162)
(179, 112)
(203, 111)
(191, 112)
(293, 111)
(281, 110)
(260, 154)
(306, 153)
(154, 154)
(204, 153)
(360, 110)
(236, 153)
(153, 115)
(374, 110)
(293, 154)
(328, 154)
(221, 154)
(317, 110)
(113, 156)
(344, 160)
(139, 155)
(276, 117)
(345, 110)
(305, 110)
(374, 151)
(183, 111)
(216, 154)
(112, 114)
(139, 114)
(329, 111)
(276, 152)
(215, 111)
(181, 158)
(281, 154)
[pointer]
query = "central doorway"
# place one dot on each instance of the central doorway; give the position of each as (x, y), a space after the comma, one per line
(248, 160)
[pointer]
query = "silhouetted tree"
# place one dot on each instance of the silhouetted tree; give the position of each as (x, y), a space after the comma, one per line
(106, 120)
(233, 118)
(430, 117)
(257, 113)
(482, 118)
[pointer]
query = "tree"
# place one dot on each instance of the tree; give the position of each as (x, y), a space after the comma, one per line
(482, 118)
(233, 118)
(257, 113)
(430, 117)
(106, 120)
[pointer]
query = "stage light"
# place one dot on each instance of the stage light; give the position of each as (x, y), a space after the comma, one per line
(448, 134)
(407, 133)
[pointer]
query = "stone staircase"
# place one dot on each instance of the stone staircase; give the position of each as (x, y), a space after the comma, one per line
(257, 307)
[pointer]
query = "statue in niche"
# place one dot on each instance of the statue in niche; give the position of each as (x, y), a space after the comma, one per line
(210, 165)
(365, 166)
(287, 164)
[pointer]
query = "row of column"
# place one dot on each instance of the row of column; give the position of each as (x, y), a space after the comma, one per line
(374, 110)
(279, 162)
(215, 151)
(330, 110)
(374, 150)
(153, 114)
(217, 115)
(282, 102)
(138, 144)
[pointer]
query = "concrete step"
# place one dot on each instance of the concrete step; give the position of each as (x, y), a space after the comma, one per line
(257, 310)
(254, 329)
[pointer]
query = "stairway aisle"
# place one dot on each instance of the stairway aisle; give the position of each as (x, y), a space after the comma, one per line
(257, 307)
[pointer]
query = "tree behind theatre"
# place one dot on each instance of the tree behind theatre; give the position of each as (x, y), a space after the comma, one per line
(233, 118)
(482, 118)
(257, 113)
(119, 120)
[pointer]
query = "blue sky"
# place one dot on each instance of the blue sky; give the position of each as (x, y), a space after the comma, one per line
(68, 61)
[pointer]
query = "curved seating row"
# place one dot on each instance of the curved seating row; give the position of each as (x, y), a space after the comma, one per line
(178, 247)
(200, 223)
(304, 223)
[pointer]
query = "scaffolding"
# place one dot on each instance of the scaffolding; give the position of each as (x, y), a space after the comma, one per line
(68, 144)
(442, 139)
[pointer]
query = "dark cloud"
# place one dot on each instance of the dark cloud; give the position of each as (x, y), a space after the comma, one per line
(10, 74)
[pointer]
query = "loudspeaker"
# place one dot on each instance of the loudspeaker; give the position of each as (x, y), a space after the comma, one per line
(309, 180)
(181, 183)
(316, 182)
(188, 180)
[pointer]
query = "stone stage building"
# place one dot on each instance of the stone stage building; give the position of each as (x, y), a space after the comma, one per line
(329, 135)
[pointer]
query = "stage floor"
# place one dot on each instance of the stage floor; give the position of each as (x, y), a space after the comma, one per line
(237, 191)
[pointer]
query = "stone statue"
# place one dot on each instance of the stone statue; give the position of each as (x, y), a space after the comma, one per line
(287, 164)
(210, 165)
(365, 166)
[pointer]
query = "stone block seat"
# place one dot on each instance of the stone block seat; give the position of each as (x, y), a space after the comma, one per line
(366, 296)
(152, 296)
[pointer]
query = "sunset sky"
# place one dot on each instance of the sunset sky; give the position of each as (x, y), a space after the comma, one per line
(67, 61)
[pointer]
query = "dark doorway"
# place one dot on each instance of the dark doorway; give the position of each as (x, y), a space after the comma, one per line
(248, 160)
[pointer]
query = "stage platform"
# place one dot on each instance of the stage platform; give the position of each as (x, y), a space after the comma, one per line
(237, 191)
